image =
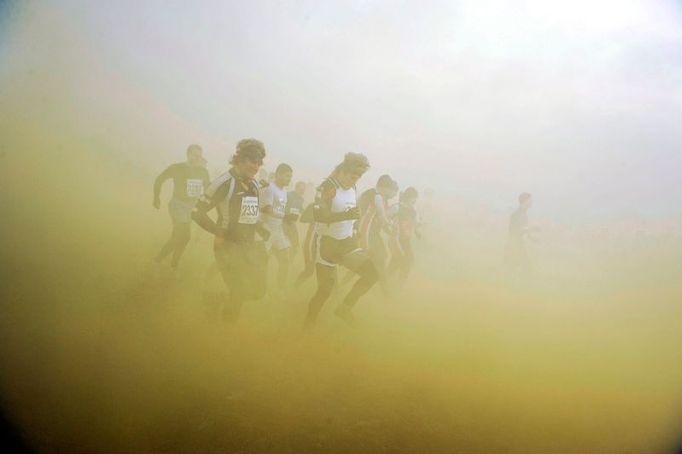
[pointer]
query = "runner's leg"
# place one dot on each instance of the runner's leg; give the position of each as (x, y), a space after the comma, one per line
(282, 257)
(361, 264)
(326, 277)
(181, 234)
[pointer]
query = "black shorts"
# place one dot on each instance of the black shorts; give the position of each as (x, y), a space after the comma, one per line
(244, 268)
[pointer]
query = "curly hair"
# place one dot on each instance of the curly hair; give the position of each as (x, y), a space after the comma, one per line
(409, 193)
(353, 162)
(248, 149)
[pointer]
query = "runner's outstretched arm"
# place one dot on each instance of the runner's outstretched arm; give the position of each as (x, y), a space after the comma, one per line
(163, 176)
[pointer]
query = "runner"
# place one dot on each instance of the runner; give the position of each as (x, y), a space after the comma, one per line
(404, 228)
(294, 207)
(373, 205)
(516, 258)
(190, 178)
(309, 247)
(335, 211)
(273, 204)
(242, 260)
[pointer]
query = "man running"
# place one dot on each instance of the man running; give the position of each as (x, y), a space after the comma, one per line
(405, 227)
(273, 205)
(190, 178)
(294, 207)
(516, 257)
(309, 247)
(234, 195)
(373, 205)
(335, 211)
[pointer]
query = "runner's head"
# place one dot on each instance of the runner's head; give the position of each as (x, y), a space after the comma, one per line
(387, 186)
(525, 200)
(194, 155)
(283, 175)
(348, 173)
(409, 196)
(300, 188)
(248, 157)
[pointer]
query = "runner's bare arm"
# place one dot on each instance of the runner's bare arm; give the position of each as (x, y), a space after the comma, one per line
(322, 209)
(163, 176)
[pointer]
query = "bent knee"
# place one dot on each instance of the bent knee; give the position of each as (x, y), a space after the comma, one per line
(369, 271)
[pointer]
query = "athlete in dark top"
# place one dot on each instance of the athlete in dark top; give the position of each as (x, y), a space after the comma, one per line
(294, 208)
(374, 209)
(190, 178)
(516, 257)
(309, 247)
(335, 212)
(404, 228)
(234, 195)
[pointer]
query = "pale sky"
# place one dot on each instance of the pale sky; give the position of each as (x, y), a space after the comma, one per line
(578, 102)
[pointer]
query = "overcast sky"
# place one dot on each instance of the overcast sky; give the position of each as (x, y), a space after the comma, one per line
(576, 101)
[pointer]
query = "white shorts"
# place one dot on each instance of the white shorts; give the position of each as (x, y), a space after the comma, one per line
(278, 240)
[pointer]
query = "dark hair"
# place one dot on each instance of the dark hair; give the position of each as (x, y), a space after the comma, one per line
(385, 181)
(409, 193)
(524, 197)
(193, 146)
(353, 161)
(248, 149)
(283, 168)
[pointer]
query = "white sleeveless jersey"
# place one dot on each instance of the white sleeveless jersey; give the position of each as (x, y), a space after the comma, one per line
(342, 201)
(276, 198)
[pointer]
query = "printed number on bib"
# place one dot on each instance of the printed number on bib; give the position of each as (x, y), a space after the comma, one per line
(278, 208)
(249, 210)
(194, 188)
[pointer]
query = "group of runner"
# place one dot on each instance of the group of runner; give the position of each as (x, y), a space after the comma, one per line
(257, 220)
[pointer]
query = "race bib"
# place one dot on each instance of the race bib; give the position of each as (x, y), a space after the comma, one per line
(294, 211)
(194, 187)
(278, 209)
(249, 210)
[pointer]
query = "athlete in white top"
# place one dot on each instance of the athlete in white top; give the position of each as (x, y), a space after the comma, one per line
(335, 211)
(272, 205)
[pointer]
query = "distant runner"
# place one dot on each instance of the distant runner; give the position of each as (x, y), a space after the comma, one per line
(516, 258)
(294, 207)
(404, 228)
(374, 208)
(190, 178)
(309, 247)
